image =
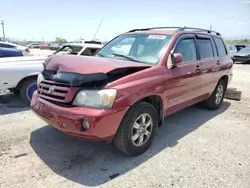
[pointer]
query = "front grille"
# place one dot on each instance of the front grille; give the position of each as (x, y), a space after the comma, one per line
(53, 91)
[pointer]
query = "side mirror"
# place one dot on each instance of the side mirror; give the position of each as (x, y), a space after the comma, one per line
(177, 58)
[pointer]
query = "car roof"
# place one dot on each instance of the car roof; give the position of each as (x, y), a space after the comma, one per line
(173, 31)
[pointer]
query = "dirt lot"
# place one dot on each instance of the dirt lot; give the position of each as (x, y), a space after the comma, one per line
(194, 148)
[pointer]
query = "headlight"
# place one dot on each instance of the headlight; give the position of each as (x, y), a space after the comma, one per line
(96, 98)
(40, 78)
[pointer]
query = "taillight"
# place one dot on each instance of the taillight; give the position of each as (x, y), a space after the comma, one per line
(27, 49)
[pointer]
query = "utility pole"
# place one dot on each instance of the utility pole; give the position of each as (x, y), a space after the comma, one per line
(3, 29)
(98, 29)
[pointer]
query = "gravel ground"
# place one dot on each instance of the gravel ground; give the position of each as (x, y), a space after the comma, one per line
(195, 148)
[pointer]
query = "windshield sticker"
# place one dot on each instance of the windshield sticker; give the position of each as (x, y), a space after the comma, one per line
(160, 37)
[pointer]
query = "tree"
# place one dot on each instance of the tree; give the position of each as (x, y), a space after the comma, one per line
(60, 40)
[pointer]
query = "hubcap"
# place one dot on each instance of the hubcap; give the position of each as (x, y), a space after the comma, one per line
(219, 94)
(142, 129)
(30, 90)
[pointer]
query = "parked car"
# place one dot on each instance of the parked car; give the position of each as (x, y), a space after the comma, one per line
(19, 75)
(25, 50)
(232, 49)
(33, 45)
(10, 52)
(87, 49)
(122, 97)
(44, 46)
(54, 46)
(242, 56)
(240, 46)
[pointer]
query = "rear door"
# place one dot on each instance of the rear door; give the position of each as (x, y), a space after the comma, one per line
(208, 56)
(183, 86)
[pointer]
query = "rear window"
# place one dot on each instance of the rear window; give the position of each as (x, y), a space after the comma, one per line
(205, 48)
(220, 47)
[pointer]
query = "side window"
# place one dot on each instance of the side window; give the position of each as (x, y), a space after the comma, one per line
(220, 46)
(205, 48)
(187, 48)
(89, 51)
(6, 46)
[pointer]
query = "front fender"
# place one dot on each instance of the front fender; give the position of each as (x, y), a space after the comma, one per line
(10, 76)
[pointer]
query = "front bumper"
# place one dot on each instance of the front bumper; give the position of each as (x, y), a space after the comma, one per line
(242, 59)
(103, 123)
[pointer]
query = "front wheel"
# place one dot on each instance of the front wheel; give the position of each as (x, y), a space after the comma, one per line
(137, 129)
(27, 90)
(215, 100)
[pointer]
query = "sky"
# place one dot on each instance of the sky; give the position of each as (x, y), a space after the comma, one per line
(70, 19)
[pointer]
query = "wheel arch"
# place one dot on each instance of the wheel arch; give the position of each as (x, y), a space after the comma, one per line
(157, 102)
(20, 83)
(225, 79)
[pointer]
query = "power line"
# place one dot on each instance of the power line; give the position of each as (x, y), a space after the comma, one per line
(3, 28)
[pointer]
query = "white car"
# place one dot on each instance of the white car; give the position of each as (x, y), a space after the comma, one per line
(19, 74)
(25, 50)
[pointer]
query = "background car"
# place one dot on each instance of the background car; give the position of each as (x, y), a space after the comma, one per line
(44, 46)
(240, 46)
(25, 50)
(10, 52)
(87, 49)
(54, 46)
(33, 45)
(242, 56)
(232, 49)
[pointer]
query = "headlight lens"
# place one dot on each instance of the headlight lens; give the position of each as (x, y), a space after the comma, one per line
(40, 78)
(96, 98)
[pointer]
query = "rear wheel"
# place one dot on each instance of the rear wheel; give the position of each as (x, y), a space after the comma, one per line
(216, 99)
(137, 129)
(27, 90)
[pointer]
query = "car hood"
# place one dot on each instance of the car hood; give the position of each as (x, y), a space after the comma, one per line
(22, 58)
(89, 64)
(241, 54)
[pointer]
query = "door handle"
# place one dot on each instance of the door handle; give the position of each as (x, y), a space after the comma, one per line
(218, 62)
(198, 67)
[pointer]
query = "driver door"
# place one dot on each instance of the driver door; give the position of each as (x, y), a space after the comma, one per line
(184, 83)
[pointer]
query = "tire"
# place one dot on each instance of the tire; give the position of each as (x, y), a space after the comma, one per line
(27, 89)
(123, 139)
(216, 99)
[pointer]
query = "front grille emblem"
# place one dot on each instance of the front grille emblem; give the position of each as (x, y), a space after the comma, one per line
(51, 90)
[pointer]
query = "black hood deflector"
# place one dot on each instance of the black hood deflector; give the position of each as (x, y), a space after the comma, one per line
(89, 80)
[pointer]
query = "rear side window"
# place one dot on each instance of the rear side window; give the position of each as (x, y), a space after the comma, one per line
(188, 50)
(220, 47)
(205, 48)
(6, 46)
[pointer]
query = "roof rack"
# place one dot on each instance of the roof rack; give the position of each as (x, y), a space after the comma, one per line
(177, 29)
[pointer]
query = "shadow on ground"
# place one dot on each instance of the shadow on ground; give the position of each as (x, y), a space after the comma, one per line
(11, 104)
(93, 164)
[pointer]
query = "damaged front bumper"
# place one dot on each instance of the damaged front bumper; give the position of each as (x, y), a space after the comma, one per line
(103, 123)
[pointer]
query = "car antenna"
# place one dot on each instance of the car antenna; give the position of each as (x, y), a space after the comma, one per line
(98, 28)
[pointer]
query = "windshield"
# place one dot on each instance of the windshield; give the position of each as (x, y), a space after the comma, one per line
(141, 48)
(245, 50)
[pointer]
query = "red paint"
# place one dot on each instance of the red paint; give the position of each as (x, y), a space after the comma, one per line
(180, 87)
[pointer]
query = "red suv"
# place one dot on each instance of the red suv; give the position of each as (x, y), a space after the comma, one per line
(122, 94)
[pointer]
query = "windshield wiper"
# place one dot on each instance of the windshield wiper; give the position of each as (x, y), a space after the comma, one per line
(126, 57)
